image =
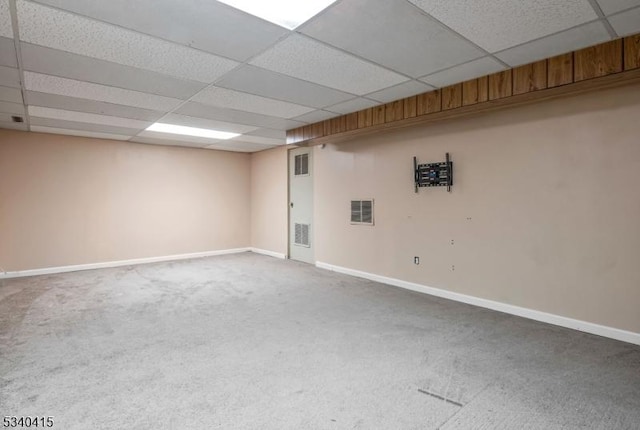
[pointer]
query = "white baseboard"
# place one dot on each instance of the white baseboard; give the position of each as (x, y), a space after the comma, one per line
(587, 327)
(90, 266)
(269, 253)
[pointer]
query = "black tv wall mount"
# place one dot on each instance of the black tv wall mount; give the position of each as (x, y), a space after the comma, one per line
(433, 174)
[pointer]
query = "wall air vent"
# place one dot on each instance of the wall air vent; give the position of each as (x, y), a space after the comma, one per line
(16, 118)
(302, 235)
(362, 212)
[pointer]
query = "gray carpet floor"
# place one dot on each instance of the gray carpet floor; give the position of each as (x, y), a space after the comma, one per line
(251, 342)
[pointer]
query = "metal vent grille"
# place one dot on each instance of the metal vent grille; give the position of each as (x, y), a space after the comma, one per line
(302, 234)
(362, 212)
(301, 165)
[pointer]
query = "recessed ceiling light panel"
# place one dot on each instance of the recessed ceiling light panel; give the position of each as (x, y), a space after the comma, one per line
(286, 13)
(191, 131)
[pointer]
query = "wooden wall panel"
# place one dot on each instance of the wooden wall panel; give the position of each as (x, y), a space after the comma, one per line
(352, 121)
(365, 118)
(632, 52)
(327, 127)
(470, 92)
(560, 70)
(430, 102)
(410, 107)
(317, 129)
(483, 89)
(599, 60)
(306, 132)
(291, 136)
(378, 115)
(338, 124)
(530, 77)
(394, 111)
(452, 97)
(500, 85)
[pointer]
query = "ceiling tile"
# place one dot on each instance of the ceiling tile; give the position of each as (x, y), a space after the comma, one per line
(6, 30)
(258, 139)
(417, 45)
(240, 147)
(626, 23)
(199, 110)
(191, 121)
(315, 116)
(268, 132)
(9, 77)
(8, 53)
(168, 141)
(352, 105)
(191, 140)
(464, 72)
(222, 97)
(91, 106)
(499, 24)
(206, 25)
(81, 133)
(570, 40)
(91, 118)
(255, 80)
(401, 91)
(12, 108)
(86, 90)
(8, 94)
(8, 124)
(67, 65)
(612, 6)
(56, 29)
(303, 58)
(83, 126)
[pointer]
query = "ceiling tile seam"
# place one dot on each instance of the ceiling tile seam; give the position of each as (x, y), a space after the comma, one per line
(598, 10)
(13, 10)
(327, 108)
(319, 15)
(549, 35)
(458, 65)
(416, 80)
(629, 9)
(455, 33)
(128, 29)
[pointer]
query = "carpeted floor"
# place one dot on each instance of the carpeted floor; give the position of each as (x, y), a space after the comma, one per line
(251, 342)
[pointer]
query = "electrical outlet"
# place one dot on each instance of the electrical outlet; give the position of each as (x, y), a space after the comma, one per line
(416, 260)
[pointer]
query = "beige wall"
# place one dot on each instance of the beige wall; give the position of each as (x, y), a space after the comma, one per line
(544, 213)
(71, 200)
(269, 200)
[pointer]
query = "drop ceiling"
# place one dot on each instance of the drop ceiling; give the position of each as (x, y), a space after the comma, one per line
(110, 69)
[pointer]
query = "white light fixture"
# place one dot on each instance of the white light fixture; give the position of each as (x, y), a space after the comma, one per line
(191, 131)
(286, 13)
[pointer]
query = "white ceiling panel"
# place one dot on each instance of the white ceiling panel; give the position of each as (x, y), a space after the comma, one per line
(6, 30)
(191, 140)
(499, 24)
(255, 80)
(315, 116)
(8, 94)
(401, 91)
(86, 90)
(81, 133)
(7, 53)
(222, 97)
(258, 139)
(464, 72)
(199, 110)
(167, 141)
(268, 132)
(576, 38)
(91, 106)
(12, 108)
(7, 124)
(627, 22)
(306, 59)
(67, 65)
(426, 45)
(352, 105)
(211, 124)
(56, 29)
(207, 25)
(90, 118)
(240, 147)
(612, 6)
(81, 126)
(9, 77)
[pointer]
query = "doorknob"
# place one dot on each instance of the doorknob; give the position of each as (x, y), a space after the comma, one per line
(291, 204)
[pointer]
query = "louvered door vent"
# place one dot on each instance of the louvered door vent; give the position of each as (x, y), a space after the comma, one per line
(302, 235)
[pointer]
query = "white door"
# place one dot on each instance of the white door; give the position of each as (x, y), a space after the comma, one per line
(301, 205)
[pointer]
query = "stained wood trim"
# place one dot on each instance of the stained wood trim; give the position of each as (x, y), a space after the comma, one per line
(605, 65)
